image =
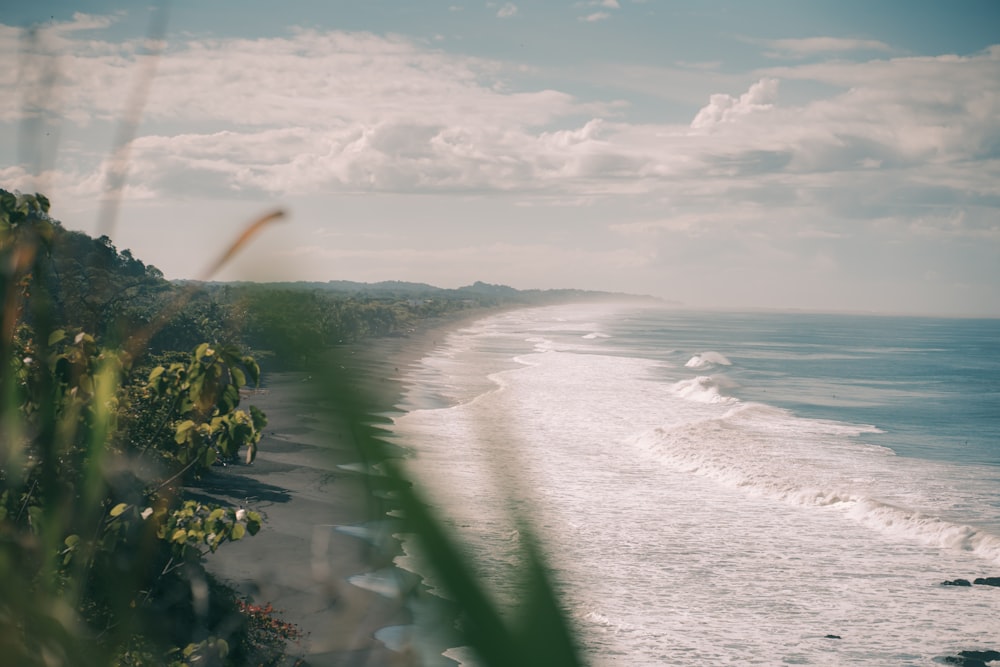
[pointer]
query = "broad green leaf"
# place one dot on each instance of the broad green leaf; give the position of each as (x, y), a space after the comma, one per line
(56, 336)
(196, 388)
(258, 418)
(253, 369)
(230, 398)
(239, 530)
(180, 433)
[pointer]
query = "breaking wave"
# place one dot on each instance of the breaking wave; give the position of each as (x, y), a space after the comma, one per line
(708, 359)
(765, 451)
(701, 389)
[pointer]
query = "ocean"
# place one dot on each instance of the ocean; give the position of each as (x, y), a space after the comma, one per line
(724, 488)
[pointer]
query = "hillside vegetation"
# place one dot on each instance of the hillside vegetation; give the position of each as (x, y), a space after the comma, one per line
(118, 388)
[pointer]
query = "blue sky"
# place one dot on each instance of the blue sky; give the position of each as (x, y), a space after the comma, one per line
(775, 154)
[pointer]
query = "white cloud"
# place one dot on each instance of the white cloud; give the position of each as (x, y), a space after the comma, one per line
(596, 16)
(918, 109)
(73, 185)
(813, 45)
(719, 171)
(507, 11)
(310, 78)
(81, 22)
(723, 108)
(387, 156)
(318, 112)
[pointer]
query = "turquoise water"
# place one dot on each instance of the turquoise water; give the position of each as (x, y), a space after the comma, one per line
(932, 385)
(726, 488)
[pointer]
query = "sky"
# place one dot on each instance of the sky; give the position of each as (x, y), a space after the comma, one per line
(826, 155)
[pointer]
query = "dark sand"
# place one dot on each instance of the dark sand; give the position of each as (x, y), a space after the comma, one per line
(300, 562)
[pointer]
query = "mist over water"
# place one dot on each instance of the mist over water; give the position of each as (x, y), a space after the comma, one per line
(726, 488)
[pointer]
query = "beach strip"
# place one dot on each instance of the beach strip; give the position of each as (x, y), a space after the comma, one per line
(324, 556)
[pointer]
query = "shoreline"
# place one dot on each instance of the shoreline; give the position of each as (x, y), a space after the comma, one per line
(324, 557)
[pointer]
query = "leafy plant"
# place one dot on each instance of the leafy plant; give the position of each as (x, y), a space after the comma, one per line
(100, 554)
(202, 394)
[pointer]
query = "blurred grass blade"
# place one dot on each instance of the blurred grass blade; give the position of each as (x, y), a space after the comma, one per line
(542, 622)
(482, 624)
(117, 168)
(38, 135)
(140, 339)
(249, 232)
(538, 634)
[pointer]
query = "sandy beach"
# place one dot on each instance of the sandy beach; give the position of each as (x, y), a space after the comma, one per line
(323, 524)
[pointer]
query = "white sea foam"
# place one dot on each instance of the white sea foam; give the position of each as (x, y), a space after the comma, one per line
(463, 655)
(758, 450)
(362, 468)
(927, 529)
(686, 526)
(385, 582)
(708, 359)
(396, 637)
(374, 532)
(701, 389)
(604, 623)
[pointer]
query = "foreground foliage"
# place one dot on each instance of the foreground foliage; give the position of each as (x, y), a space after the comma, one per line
(100, 554)
(112, 397)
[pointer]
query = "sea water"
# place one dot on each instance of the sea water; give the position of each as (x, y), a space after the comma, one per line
(724, 488)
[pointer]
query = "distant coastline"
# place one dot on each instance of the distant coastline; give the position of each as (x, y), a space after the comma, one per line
(477, 292)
